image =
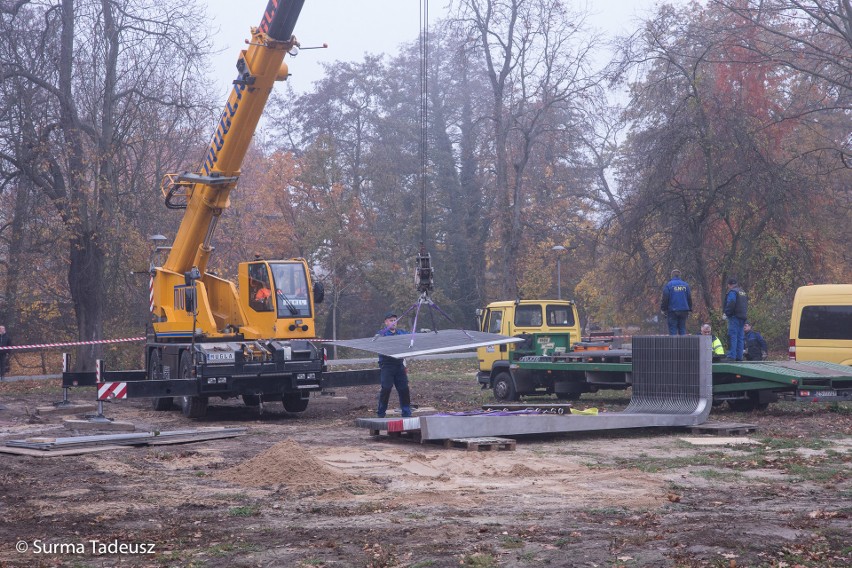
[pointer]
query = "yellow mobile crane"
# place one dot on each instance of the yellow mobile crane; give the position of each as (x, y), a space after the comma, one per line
(211, 338)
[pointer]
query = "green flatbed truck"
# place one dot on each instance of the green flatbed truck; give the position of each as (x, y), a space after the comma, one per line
(550, 362)
(744, 385)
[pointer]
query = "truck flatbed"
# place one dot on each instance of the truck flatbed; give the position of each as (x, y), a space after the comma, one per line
(743, 384)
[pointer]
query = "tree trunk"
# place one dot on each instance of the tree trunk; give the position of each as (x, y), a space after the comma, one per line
(86, 281)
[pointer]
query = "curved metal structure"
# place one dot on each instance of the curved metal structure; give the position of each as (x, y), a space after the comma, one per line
(672, 386)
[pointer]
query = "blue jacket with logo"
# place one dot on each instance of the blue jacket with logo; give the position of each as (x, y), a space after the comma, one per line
(384, 359)
(677, 297)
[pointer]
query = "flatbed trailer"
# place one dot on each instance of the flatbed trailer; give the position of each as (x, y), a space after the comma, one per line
(744, 385)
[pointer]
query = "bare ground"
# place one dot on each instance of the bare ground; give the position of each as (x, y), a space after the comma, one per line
(313, 490)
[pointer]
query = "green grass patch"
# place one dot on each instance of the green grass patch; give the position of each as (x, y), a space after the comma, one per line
(717, 475)
(244, 511)
(479, 560)
(511, 542)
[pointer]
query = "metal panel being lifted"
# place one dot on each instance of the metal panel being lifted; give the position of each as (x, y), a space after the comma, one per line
(415, 344)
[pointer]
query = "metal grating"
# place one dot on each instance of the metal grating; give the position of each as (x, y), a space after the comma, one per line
(411, 345)
(668, 373)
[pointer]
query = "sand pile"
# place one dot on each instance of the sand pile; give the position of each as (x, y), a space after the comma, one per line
(289, 465)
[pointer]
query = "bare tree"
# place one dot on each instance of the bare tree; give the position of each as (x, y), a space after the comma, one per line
(811, 37)
(537, 60)
(101, 70)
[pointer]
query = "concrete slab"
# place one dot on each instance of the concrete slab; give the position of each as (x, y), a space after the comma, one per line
(85, 425)
(419, 410)
(56, 453)
(65, 410)
(719, 441)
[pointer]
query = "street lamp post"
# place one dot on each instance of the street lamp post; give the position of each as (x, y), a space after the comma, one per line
(558, 249)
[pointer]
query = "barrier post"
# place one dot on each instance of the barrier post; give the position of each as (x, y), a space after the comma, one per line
(99, 373)
(66, 364)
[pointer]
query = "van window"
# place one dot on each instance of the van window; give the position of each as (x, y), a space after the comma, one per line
(826, 322)
(528, 316)
(560, 316)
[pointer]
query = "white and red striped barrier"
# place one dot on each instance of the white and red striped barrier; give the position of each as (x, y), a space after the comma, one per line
(69, 344)
(107, 391)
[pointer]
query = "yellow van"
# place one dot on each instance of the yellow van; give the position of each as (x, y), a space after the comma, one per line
(821, 324)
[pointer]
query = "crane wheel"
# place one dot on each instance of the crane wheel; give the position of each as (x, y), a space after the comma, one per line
(293, 402)
(155, 372)
(192, 406)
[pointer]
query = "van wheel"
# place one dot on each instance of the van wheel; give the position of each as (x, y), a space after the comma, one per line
(504, 387)
(155, 372)
(192, 406)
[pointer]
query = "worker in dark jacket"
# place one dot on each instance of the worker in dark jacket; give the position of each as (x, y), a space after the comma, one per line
(393, 373)
(755, 345)
(736, 312)
(676, 303)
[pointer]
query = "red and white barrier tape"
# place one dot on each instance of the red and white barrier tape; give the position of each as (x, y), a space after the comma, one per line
(69, 344)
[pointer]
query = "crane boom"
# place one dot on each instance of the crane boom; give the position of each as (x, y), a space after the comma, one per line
(206, 193)
(212, 338)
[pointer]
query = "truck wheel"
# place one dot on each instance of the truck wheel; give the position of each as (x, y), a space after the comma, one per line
(504, 387)
(155, 373)
(568, 395)
(293, 402)
(741, 405)
(192, 406)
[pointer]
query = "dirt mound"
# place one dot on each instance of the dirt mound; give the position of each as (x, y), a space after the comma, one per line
(287, 464)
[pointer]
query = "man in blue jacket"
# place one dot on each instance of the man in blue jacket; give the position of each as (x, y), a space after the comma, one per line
(676, 303)
(755, 346)
(393, 373)
(736, 312)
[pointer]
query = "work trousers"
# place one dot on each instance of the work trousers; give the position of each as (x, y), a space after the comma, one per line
(736, 337)
(677, 322)
(393, 374)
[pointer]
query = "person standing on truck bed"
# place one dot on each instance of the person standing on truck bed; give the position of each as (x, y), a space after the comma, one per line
(393, 373)
(736, 312)
(676, 303)
(755, 345)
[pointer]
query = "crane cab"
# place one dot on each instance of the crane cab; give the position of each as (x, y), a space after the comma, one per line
(277, 298)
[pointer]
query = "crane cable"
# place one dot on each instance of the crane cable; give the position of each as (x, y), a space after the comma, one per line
(424, 123)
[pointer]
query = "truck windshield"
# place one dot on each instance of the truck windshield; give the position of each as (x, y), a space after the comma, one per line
(291, 289)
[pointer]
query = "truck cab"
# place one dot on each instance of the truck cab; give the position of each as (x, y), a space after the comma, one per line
(550, 327)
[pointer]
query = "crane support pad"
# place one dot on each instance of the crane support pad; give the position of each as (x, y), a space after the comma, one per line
(353, 378)
(415, 344)
(672, 384)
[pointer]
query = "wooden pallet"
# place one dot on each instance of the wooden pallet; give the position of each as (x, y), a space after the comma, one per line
(723, 428)
(477, 444)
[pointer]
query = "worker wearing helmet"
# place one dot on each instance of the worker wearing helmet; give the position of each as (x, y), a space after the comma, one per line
(393, 373)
